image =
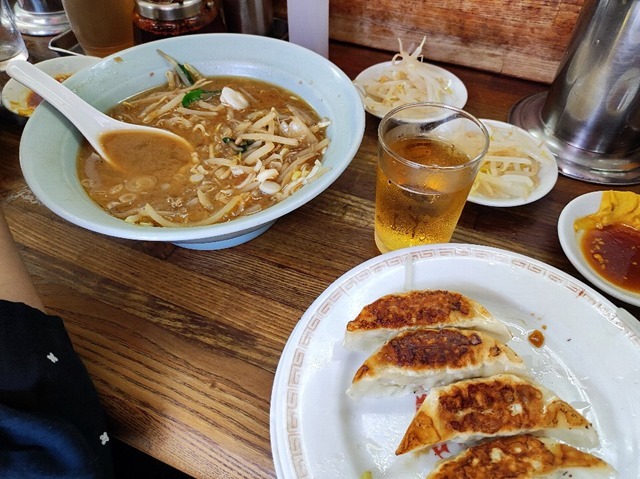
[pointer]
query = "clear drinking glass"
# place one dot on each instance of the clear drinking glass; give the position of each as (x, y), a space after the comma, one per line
(428, 157)
(12, 45)
(101, 27)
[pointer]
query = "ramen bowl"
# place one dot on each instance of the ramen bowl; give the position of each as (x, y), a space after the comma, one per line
(50, 143)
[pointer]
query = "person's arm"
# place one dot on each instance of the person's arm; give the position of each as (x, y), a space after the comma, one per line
(51, 421)
(15, 282)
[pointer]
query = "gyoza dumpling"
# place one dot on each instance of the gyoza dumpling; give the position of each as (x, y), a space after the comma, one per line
(518, 457)
(423, 358)
(502, 405)
(395, 313)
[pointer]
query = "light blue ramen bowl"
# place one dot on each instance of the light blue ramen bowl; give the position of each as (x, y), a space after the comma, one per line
(50, 142)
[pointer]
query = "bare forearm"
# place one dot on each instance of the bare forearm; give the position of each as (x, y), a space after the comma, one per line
(15, 281)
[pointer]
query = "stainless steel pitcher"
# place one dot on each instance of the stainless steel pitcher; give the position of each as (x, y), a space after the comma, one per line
(590, 117)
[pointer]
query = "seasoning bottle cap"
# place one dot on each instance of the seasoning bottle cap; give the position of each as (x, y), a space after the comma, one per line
(168, 11)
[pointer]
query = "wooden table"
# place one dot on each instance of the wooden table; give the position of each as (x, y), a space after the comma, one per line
(183, 345)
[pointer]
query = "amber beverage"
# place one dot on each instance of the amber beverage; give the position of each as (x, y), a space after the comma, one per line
(101, 27)
(428, 158)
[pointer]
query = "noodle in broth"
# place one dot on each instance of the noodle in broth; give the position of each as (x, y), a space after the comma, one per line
(254, 145)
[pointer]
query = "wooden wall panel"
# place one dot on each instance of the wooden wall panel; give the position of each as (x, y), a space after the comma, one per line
(519, 38)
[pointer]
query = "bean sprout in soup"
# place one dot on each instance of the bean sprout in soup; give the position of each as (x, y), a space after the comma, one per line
(254, 145)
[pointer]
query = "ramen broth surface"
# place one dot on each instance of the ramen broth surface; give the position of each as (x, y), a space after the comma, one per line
(144, 152)
(244, 160)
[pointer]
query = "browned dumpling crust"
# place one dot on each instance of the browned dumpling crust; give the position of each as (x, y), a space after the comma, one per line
(420, 309)
(501, 405)
(516, 457)
(415, 308)
(424, 358)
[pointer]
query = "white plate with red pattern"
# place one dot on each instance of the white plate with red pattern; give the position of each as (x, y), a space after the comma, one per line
(590, 358)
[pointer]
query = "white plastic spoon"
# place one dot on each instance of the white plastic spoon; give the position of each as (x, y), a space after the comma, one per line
(117, 142)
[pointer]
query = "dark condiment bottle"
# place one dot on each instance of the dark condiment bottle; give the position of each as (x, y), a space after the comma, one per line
(153, 20)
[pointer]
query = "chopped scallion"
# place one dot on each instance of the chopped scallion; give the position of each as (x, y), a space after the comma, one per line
(198, 94)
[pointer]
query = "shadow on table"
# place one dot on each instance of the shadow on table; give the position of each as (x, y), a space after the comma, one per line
(131, 463)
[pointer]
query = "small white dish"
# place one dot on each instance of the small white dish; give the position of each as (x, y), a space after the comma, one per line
(18, 99)
(457, 97)
(570, 241)
(547, 176)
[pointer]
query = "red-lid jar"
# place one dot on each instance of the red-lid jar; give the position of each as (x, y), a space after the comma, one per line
(153, 20)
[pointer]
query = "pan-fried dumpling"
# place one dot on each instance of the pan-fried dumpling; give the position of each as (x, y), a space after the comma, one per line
(394, 313)
(518, 457)
(502, 405)
(420, 359)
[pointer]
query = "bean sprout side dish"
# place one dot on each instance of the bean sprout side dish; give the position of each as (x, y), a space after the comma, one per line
(511, 167)
(406, 80)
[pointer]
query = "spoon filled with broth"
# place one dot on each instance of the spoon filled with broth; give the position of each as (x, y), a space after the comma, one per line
(121, 145)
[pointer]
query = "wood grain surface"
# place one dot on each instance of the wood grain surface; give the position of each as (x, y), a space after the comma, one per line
(183, 345)
(521, 38)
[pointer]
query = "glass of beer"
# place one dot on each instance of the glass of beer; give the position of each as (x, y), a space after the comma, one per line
(101, 27)
(428, 157)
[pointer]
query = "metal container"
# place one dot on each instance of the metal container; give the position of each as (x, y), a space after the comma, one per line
(40, 17)
(254, 17)
(590, 117)
(154, 20)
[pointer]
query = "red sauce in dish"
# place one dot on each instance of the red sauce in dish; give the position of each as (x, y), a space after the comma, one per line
(33, 99)
(614, 252)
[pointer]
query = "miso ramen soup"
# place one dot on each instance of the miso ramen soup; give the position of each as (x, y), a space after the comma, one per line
(254, 144)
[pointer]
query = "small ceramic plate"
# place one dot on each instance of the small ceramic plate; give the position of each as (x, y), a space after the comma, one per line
(547, 175)
(570, 242)
(457, 97)
(22, 101)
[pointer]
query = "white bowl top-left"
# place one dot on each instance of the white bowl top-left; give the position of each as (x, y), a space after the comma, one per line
(16, 97)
